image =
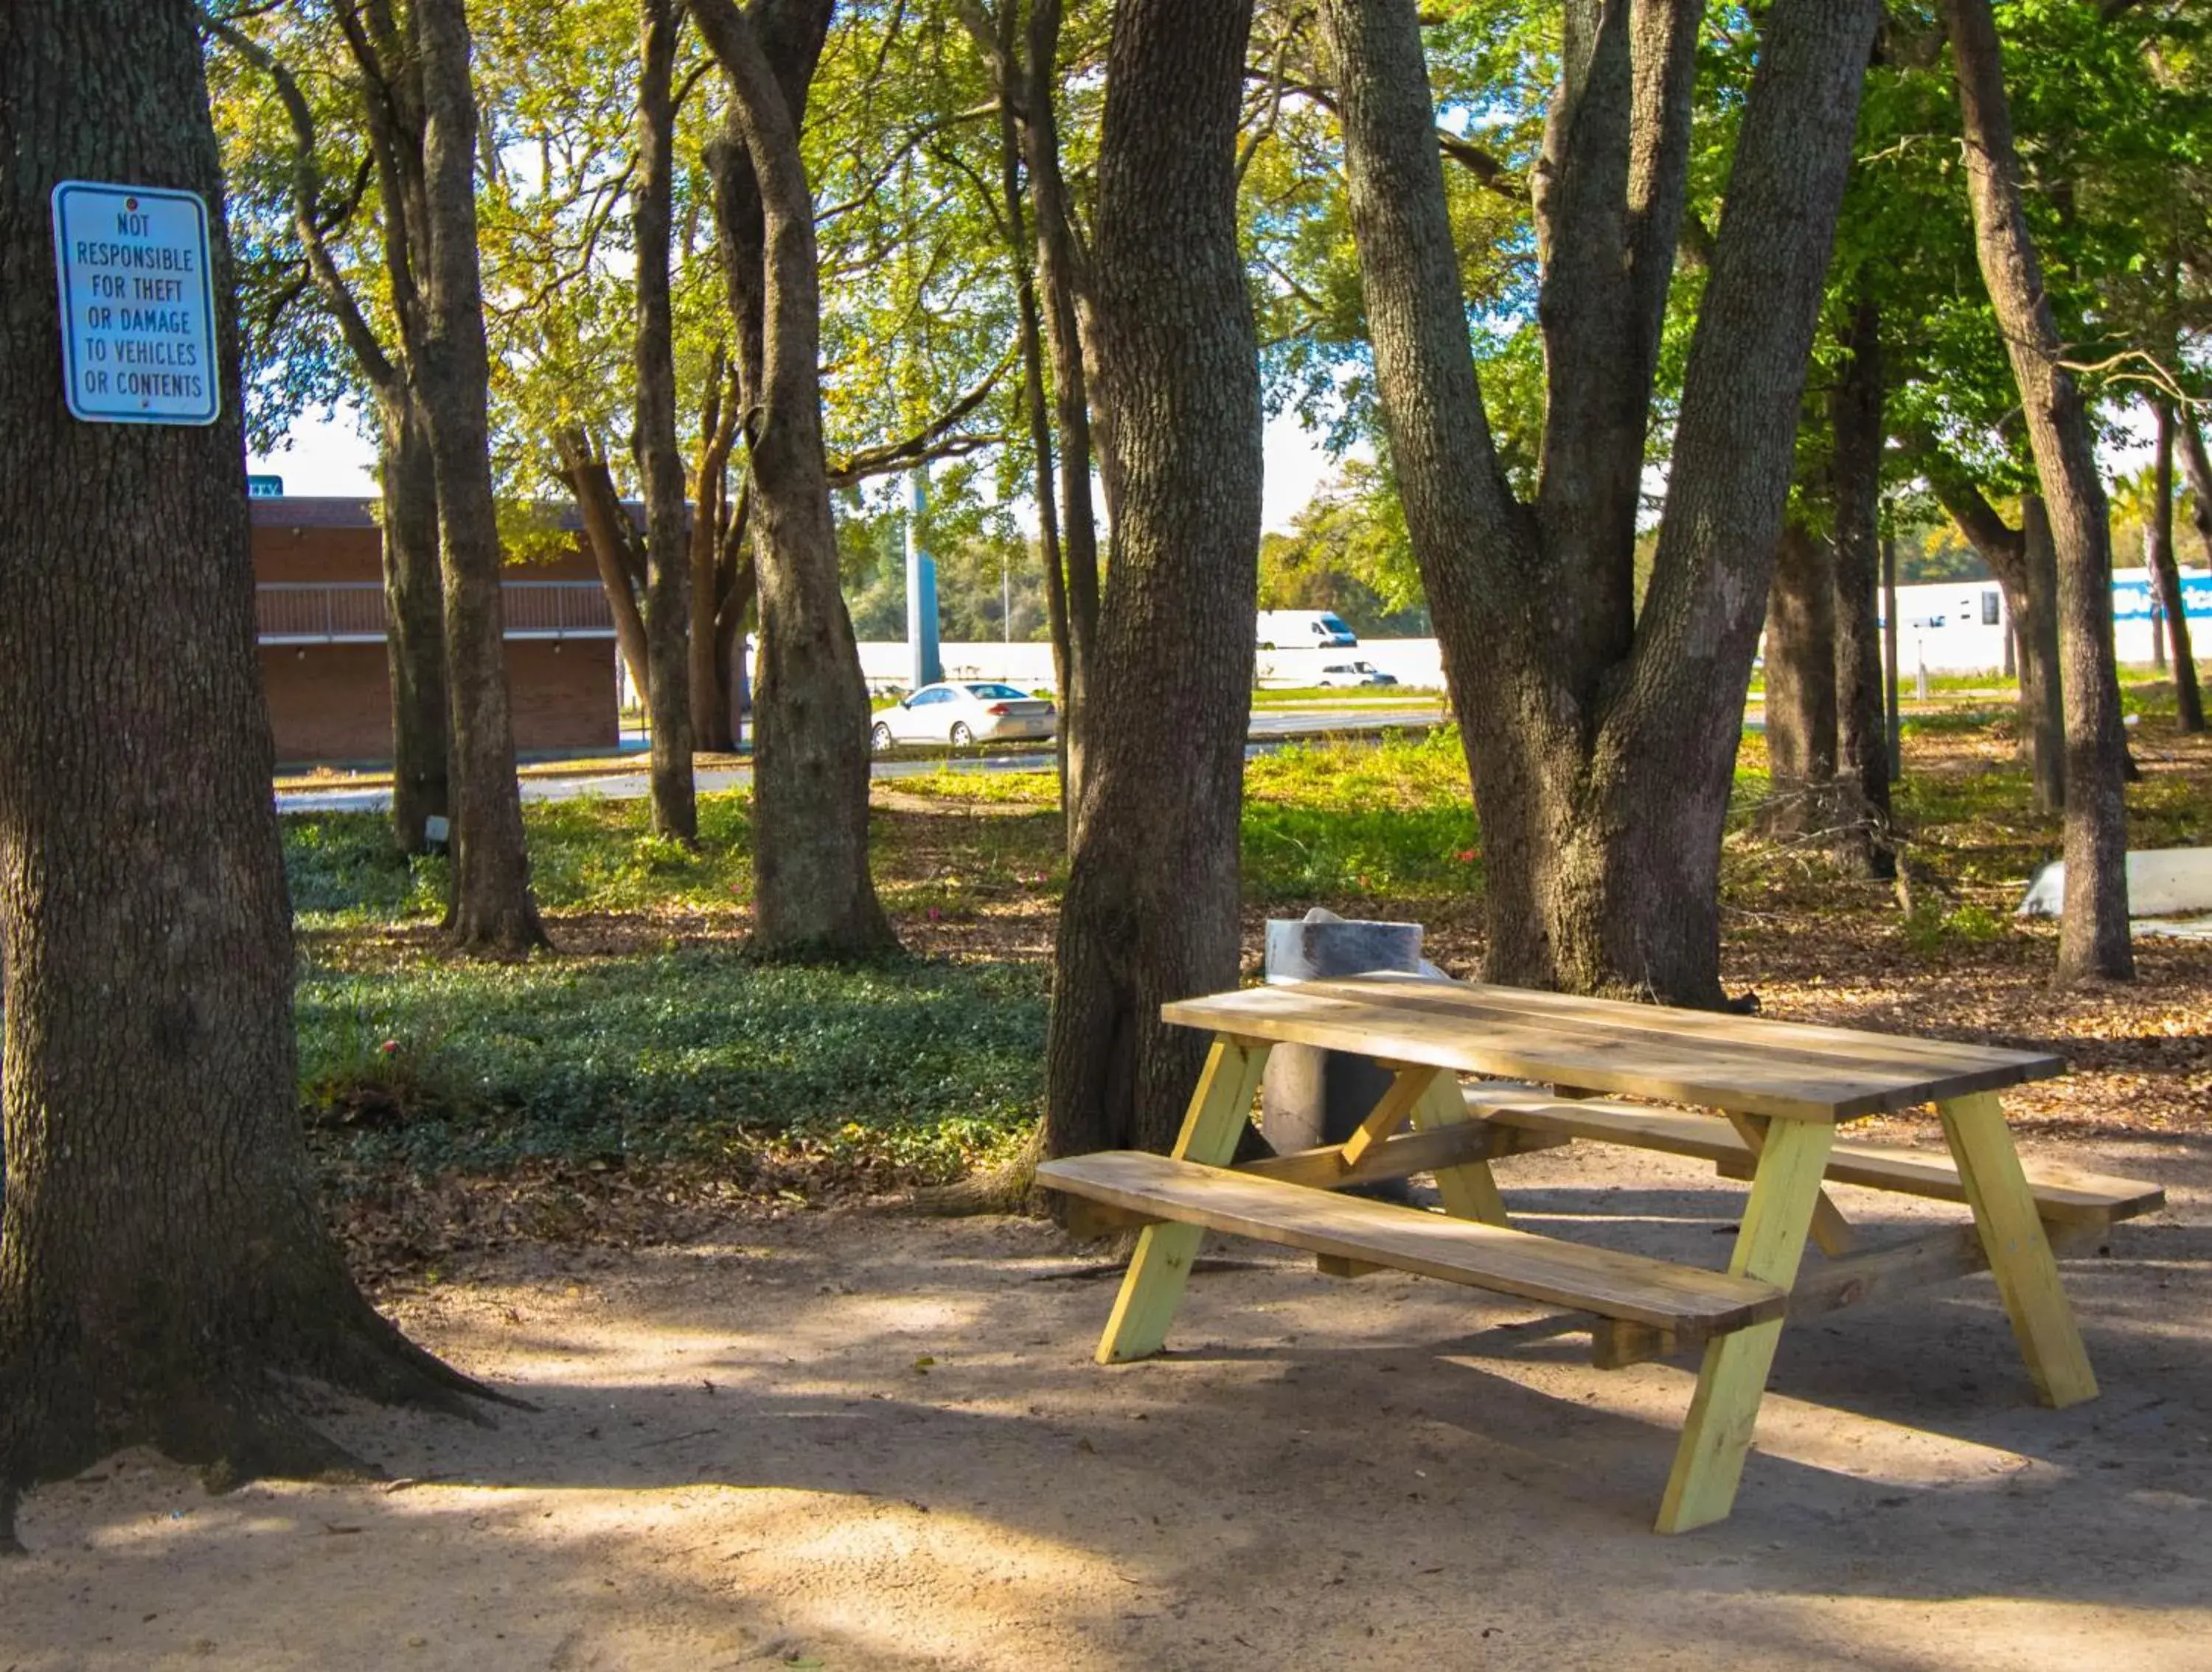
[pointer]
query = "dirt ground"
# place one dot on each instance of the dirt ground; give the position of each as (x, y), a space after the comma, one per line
(848, 1439)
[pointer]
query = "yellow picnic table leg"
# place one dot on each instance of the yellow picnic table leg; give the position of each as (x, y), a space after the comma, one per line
(1152, 1287)
(1732, 1380)
(1469, 1190)
(2019, 1251)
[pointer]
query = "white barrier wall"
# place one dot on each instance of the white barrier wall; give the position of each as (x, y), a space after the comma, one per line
(1959, 626)
(1416, 662)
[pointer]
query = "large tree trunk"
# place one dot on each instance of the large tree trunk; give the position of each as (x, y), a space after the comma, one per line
(661, 460)
(1801, 685)
(2042, 676)
(492, 907)
(812, 893)
(1855, 410)
(2093, 936)
(2022, 561)
(713, 715)
(161, 1261)
(611, 538)
(2165, 573)
(2199, 469)
(1151, 912)
(414, 617)
(1602, 748)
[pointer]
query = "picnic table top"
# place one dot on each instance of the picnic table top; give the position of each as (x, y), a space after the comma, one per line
(1747, 1064)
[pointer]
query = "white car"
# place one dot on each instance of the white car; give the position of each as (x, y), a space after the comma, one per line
(965, 711)
(1353, 673)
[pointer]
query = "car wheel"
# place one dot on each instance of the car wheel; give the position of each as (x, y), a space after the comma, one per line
(961, 737)
(880, 738)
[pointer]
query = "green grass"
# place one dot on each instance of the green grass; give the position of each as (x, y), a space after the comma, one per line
(691, 1055)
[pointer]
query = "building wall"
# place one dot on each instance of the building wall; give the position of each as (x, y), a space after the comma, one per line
(332, 702)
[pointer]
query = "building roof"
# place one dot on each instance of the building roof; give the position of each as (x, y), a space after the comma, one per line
(347, 511)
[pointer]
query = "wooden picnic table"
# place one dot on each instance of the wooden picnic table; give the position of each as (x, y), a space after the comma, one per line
(1770, 1095)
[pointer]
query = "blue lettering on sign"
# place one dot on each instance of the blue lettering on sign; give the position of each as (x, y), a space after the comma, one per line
(264, 487)
(2131, 599)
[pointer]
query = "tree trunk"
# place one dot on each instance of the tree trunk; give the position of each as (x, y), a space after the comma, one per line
(661, 460)
(492, 907)
(1603, 761)
(1801, 685)
(714, 718)
(162, 1262)
(1151, 911)
(1862, 736)
(2165, 573)
(2199, 469)
(414, 615)
(2093, 935)
(813, 896)
(2042, 676)
(2022, 561)
(1037, 408)
(611, 538)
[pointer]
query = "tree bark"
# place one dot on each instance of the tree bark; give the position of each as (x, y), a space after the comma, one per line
(2199, 469)
(1801, 686)
(413, 591)
(162, 1264)
(611, 538)
(2022, 561)
(1602, 764)
(413, 614)
(1854, 411)
(660, 460)
(1151, 911)
(492, 908)
(2094, 934)
(813, 895)
(2042, 675)
(714, 717)
(2165, 574)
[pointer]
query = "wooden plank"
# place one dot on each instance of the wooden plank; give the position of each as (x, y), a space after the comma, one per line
(1404, 1021)
(1087, 1221)
(1616, 1346)
(1848, 1046)
(1408, 1087)
(1613, 1285)
(1883, 1273)
(2019, 1255)
(2063, 1194)
(1403, 1156)
(1468, 1190)
(1335, 1265)
(1152, 1287)
(1732, 1380)
(1832, 1231)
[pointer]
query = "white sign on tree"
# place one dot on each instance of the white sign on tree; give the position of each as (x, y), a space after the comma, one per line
(138, 302)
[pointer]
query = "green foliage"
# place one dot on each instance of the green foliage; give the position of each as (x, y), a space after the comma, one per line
(1348, 551)
(693, 1055)
(1330, 819)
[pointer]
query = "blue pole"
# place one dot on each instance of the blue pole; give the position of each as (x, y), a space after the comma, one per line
(922, 590)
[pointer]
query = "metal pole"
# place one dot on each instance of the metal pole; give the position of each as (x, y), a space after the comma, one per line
(921, 588)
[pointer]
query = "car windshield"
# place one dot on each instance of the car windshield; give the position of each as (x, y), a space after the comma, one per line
(1334, 623)
(997, 691)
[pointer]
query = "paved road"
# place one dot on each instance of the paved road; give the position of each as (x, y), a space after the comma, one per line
(1270, 730)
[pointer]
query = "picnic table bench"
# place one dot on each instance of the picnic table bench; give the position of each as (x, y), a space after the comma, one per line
(1775, 1092)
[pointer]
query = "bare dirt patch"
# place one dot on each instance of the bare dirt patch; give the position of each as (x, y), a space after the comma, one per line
(848, 1440)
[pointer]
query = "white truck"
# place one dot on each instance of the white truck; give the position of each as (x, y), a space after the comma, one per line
(1303, 630)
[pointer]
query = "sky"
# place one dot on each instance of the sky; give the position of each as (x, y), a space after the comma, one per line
(328, 456)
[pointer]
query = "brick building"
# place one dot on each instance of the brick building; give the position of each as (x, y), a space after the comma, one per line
(318, 601)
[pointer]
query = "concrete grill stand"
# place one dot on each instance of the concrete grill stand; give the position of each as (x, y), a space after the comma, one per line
(1311, 1096)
